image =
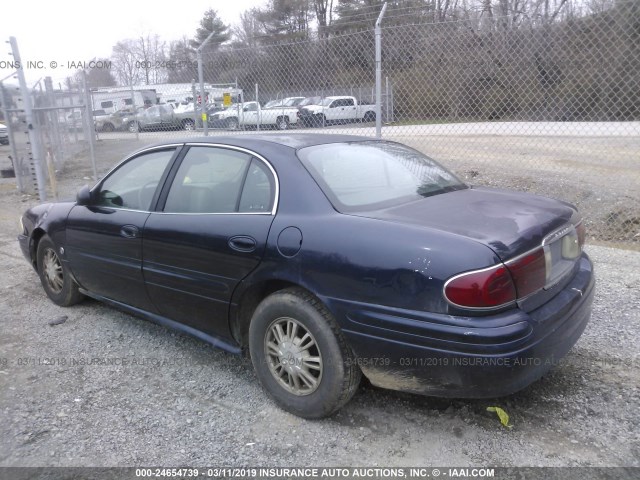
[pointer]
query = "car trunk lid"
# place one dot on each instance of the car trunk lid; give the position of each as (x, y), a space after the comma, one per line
(510, 223)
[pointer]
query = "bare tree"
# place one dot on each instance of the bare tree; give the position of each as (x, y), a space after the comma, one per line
(126, 63)
(151, 53)
(324, 13)
(247, 32)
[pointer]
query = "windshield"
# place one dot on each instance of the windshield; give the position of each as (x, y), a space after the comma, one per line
(371, 175)
(310, 101)
(326, 102)
(273, 103)
(293, 101)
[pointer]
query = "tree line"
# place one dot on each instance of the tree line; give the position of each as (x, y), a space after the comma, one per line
(448, 59)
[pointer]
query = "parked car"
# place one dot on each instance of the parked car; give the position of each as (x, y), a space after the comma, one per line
(309, 101)
(284, 102)
(325, 257)
(157, 117)
(250, 114)
(332, 110)
(116, 120)
(102, 121)
(4, 135)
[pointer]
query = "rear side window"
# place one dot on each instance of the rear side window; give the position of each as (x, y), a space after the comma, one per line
(219, 180)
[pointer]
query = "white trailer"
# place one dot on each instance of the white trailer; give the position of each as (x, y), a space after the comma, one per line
(113, 100)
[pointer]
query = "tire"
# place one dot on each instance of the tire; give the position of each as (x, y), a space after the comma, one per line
(282, 123)
(55, 277)
(133, 127)
(320, 378)
(319, 120)
(232, 123)
(108, 127)
(188, 125)
(369, 117)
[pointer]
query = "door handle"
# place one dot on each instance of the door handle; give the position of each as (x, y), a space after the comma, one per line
(129, 231)
(242, 243)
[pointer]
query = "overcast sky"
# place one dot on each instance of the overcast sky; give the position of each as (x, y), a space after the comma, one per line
(77, 30)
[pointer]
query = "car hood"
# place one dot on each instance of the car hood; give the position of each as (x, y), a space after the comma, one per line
(510, 223)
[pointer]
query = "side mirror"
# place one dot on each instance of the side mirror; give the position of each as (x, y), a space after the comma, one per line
(83, 197)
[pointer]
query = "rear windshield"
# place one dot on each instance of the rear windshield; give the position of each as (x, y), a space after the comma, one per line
(371, 175)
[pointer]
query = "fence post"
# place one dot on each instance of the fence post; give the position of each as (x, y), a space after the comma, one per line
(259, 109)
(195, 110)
(378, 35)
(203, 109)
(17, 163)
(51, 101)
(89, 121)
(32, 126)
(134, 110)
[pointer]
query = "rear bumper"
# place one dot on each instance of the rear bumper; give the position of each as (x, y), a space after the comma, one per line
(467, 357)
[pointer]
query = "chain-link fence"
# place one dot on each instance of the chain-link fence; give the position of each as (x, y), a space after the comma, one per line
(545, 103)
(46, 128)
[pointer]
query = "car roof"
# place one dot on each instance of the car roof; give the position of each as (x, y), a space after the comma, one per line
(255, 141)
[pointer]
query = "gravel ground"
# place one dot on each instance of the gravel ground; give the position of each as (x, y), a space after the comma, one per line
(102, 388)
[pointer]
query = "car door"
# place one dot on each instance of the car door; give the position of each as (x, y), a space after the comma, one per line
(104, 238)
(349, 110)
(342, 110)
(152, 118)
(250, 114)
(211, 233)
(166, 115)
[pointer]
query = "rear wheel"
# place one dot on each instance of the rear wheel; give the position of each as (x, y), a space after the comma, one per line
(319, 120)
(189, 125)
(369, 117)
(232, 123)
(55, 277)
(108, 127)
(301, 356)
(282, 123)
(133, 127)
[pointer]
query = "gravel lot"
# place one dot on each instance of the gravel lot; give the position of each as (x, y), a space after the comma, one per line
(104, 389)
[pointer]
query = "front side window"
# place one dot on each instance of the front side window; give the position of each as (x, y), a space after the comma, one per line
(370, 175)
(220, 180)
(133, 184)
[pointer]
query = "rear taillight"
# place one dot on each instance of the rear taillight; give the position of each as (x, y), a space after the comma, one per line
(529, 272)
(516, 279)
(500, 285)
(487, 288)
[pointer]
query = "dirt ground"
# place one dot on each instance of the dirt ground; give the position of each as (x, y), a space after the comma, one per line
(104, 388)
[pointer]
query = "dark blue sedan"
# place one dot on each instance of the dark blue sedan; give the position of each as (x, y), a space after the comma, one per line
(326, 257)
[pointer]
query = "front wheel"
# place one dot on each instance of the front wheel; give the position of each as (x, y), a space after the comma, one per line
(189, 125)
(301, 356)
(55, 277)
(133, 127)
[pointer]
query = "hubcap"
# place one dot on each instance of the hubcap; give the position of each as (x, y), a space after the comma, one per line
(293, 356)
(53, 271)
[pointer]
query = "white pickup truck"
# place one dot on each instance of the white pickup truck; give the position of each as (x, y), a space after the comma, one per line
(331, 110)
(251, 114)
